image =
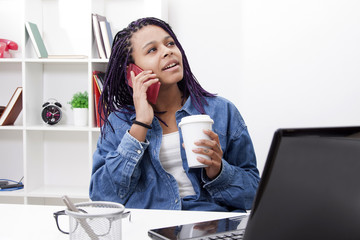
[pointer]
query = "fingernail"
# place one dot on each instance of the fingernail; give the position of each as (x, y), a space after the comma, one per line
(200, 159)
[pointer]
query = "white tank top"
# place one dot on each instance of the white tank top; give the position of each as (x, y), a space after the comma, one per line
(170, 159)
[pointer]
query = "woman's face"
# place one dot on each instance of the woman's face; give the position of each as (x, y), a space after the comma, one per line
(154, 49)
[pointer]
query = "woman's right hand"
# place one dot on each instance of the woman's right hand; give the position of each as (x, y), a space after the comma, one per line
(140, 84)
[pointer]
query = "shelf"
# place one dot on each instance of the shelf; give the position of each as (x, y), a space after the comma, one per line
(58, 128)
(58, 192)
(97, 60)
(11, 127)
(52, 60)
(95, 129)
(56, 60)
(14, 193)
(10, 60)
(55, 160)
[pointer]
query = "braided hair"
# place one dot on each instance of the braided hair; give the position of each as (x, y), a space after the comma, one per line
(117, 95)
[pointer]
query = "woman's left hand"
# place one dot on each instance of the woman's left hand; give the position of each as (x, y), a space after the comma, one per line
(213, 151)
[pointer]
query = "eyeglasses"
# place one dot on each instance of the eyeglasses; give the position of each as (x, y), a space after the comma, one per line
(62, 222)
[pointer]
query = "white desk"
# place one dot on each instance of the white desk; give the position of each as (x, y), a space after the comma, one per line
(36, 222)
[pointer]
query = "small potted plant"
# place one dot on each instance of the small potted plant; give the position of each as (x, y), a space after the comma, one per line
(80, 104)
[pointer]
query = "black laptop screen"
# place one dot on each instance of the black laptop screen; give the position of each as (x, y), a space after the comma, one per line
(310, 190)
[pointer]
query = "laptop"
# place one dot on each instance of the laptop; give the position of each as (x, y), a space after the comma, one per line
(309, 189)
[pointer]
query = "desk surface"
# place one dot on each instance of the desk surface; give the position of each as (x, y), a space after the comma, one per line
(36, 222)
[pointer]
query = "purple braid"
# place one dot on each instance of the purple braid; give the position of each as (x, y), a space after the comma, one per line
(117, 95)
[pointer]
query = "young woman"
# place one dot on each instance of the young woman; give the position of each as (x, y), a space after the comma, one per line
(139, 160)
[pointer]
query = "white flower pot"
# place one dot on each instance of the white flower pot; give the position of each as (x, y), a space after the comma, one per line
(80, 116)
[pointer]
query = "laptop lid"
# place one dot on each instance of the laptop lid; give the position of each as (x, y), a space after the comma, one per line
(309, 188)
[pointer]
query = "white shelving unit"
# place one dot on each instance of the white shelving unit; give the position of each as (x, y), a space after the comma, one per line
(55, 160)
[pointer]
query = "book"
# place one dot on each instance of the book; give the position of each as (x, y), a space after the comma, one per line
(106, 36)
(97, 88)
(39, 44)
(100, 76)
(97, 81)
(2, 108)
(110, 35)
(97, 34)
(36, 40)
(12, 109)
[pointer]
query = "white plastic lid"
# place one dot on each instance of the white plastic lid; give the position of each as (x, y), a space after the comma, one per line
(195, 118)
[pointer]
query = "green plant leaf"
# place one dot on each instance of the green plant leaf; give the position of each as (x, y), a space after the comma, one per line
(79, 100)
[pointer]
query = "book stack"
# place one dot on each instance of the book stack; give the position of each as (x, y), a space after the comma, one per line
(12, 110)
(103, 35)
(98, 79)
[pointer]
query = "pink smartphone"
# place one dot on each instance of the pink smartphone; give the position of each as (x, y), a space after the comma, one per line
(152, 92)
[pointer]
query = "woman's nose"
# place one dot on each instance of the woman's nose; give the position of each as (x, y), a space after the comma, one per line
(167, 52)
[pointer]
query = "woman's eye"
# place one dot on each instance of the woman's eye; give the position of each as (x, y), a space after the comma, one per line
(152, 50)
(171, 43)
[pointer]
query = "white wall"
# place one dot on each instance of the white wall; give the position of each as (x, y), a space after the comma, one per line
(283, 63)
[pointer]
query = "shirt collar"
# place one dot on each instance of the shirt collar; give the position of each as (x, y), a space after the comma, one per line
(189, 107)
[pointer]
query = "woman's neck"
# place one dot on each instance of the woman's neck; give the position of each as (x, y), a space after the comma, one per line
(169, 101)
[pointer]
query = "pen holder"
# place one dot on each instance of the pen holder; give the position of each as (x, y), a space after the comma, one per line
(96, 221)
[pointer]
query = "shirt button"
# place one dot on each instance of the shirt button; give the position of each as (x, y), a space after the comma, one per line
(176, 200)
(138, 151)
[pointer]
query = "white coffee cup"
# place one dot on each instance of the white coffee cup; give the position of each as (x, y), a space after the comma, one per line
(192, 128)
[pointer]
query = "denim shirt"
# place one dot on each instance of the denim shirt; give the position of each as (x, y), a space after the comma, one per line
(129, 172)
